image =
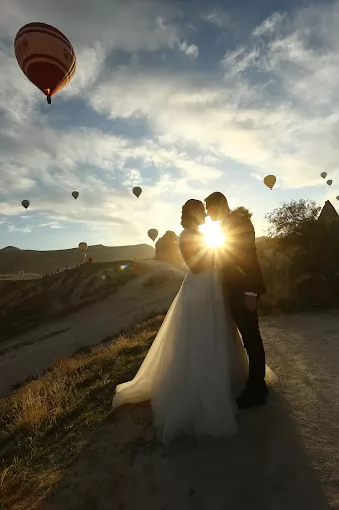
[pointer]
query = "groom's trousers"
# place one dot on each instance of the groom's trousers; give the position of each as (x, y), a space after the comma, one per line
(248, 325)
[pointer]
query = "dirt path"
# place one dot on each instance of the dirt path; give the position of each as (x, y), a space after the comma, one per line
(30, 354)
(285, 457)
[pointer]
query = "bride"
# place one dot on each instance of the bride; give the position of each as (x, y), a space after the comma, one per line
(197, 365)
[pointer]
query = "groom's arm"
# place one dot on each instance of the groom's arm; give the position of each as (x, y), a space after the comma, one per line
(251, 298)
(244, 249)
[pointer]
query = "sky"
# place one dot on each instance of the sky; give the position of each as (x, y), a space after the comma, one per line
(182, 98)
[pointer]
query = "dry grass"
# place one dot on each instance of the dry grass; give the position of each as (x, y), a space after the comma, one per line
(45, 424)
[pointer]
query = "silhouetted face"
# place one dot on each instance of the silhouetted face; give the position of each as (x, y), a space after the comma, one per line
(213, 212)
(200, 214)
(216, 212)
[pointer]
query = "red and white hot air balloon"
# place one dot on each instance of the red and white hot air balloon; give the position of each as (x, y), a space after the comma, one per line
(45, 56)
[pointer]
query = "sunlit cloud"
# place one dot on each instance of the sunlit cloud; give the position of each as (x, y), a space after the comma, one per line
(51, 224)
(24, 230)
(146, 109)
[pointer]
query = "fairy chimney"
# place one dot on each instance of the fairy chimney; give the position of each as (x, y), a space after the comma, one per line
(167, 248)
(328, 214)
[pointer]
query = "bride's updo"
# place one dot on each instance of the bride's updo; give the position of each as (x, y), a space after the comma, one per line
(192, 214)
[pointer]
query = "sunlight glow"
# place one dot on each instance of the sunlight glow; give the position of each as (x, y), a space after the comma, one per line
(214, 236)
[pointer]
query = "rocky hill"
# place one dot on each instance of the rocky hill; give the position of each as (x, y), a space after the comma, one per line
(25, 304)
(328, 214)
(13, 260)
(49, 318)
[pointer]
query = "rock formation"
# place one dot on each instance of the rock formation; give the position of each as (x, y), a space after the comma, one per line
(167, 249)
(328, 214)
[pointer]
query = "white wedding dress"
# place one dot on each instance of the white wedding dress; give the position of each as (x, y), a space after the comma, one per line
(196, 366)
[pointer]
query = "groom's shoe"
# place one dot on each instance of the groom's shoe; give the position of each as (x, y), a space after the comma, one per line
(249, 399)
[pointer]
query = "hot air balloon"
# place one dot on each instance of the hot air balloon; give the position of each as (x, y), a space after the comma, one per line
(323, 175)
(75, 194)
(153, 234)
(137, 191)
(25, 203)
(337, 197)
(270, 181)
(45, 56)
(329, 182)
(83, 246)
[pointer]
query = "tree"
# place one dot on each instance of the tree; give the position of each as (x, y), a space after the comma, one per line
(303, 270)
(292, 219)
(312, 245)
(245, 212)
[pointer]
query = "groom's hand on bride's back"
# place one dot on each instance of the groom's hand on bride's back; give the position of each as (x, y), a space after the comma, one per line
(251, 302)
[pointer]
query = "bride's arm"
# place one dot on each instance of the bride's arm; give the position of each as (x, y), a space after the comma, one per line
(194, 253)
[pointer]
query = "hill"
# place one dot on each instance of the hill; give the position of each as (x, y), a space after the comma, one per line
(53, 317)
(27, 303)
(13, 260)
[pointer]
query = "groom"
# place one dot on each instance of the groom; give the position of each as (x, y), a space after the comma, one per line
(242, 283)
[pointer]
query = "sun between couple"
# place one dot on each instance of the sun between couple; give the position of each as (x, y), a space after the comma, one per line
(207, 360)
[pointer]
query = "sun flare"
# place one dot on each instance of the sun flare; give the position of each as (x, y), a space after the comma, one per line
(214, 236)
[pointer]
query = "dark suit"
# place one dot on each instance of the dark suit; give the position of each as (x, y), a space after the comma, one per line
(240, 273)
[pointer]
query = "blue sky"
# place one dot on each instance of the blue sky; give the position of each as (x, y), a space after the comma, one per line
(181, 98)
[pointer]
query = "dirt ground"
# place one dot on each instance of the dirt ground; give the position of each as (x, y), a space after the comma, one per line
(285, 456)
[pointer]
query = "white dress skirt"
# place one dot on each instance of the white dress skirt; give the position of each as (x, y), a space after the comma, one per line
(196, 366)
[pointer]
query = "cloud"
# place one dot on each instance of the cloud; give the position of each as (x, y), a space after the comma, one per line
(218, 17)
(191, 50)
(269, 105)
(129, 25)
(186, 111)
(100, 166)
(51, 224)
(277, 97)
(270, 25)
(23, 230)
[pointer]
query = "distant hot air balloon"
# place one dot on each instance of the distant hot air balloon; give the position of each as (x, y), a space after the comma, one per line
(83, 246)
(337, 197)
(330, 182)
(45, 56)
(75, 194)
(25, 203)
(153, 234)
(137, 191)
(323, 175)
(270, 181)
